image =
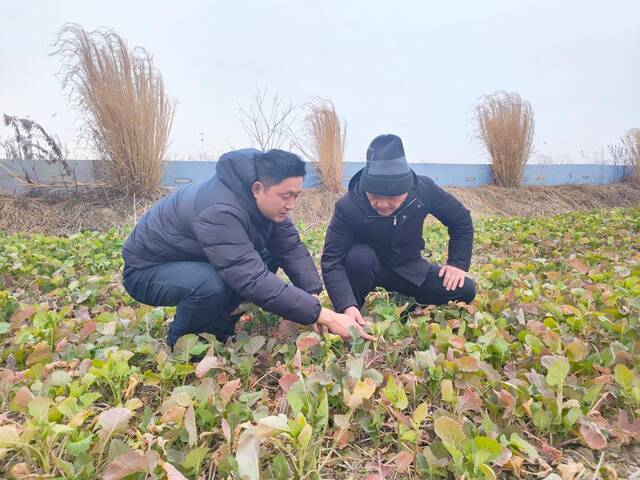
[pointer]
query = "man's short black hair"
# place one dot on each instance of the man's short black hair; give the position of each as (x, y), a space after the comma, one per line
(275, 165)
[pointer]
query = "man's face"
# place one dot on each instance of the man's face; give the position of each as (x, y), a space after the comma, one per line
(275, 201)
(386, 205)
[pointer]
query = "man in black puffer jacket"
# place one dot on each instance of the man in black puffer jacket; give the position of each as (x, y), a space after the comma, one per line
(375, 235)
(210, 246)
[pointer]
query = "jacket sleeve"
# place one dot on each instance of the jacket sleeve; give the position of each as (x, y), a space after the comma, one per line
(338, 241)
(448, 209)
(226, 243)
(291, 254)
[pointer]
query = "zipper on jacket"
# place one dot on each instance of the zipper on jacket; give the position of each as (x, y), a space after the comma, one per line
(395, 217)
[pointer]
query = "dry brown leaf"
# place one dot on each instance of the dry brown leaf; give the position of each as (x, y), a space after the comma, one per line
(403, 461)
(87, 329)
(229, 388)
(287, 329)
(174, 414)
(113, 420)
(21, 315)
(23, 397)
(611, 472)
(467, 364)
(41, 353)
(379, 469)
(226, 429)
(506, 401)
(343, 437)
(551, 454)
(457, 341)
(515, 465)
(624, 430)
(206, 364)
(20, 471)
(578, 265)
(592, 436)
(287, 380)
(306, 342)
(131, 386)
(569, 471)
(129, 463)
(171, 471)
(190, 425)
(470, 401)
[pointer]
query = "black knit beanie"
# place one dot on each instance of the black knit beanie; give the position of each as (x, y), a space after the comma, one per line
(386, 172)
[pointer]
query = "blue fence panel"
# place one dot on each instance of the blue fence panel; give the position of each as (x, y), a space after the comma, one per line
(445, 174)
(572, 174)
(179, 173)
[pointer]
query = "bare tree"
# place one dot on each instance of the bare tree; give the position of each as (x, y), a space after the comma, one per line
(267, 121)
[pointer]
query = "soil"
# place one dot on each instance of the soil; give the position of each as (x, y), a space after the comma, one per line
(63, 214)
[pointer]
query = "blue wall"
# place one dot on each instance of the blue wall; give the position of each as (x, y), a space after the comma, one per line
(445, 174)
(457, 174)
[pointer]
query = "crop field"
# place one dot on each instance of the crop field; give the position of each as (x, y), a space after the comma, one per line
(538, 378)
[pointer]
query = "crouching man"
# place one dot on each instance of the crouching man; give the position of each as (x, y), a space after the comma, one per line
(210, 246)
(375, 236)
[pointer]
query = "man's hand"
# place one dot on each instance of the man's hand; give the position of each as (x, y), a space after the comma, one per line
(320, 329)
(354, 312)
(453, 277)
(340, 324)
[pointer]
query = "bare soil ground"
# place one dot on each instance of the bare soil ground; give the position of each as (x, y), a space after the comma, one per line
(100, 210)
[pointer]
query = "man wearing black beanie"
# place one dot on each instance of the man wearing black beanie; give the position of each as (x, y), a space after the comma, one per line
(375, 235)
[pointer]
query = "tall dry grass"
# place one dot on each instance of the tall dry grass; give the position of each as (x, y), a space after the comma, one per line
(627, 152)
(632, 142)
(121, 96)
(505, 125)
(325, 142)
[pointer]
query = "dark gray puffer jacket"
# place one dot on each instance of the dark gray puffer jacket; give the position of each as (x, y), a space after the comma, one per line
(218, 221)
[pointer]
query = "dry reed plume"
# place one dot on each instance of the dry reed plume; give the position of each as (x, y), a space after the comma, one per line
(326, 138)
(505, 126)
(121, 96)
(632, 142)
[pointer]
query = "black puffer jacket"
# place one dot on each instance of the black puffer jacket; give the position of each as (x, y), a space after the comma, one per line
(396, 239)
(218, 221)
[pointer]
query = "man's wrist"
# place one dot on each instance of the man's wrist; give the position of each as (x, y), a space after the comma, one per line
(322, 319)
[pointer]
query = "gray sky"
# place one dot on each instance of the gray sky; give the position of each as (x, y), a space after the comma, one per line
(410, 68)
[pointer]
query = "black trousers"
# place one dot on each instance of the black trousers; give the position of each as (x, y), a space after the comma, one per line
(366, 273)
(204, 301)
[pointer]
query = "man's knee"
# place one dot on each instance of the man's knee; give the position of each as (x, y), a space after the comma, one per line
(212, 289)
(361, 258)
(468, 291)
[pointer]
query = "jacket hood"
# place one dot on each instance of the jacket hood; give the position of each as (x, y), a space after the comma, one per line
(237, 171)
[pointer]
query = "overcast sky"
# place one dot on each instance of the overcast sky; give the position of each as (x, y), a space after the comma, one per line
(410, 68)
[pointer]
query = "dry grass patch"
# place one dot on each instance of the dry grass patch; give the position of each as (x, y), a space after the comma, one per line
(505, 125)
(121, 96)
(326, 141)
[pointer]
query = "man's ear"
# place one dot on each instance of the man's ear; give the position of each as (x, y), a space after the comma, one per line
(256, 188)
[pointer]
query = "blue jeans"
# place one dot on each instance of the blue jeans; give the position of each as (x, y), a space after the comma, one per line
(204, 301)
